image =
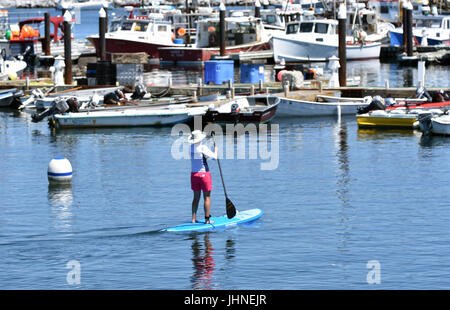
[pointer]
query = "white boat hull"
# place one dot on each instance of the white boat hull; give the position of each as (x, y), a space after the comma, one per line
(293, 50)
(127, 117)
(291, 107)
(441, 125)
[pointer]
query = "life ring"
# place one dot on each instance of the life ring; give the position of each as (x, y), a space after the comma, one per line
(181, 31)
(212, 39)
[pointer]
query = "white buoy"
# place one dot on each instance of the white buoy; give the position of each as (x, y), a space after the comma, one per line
(59, 170)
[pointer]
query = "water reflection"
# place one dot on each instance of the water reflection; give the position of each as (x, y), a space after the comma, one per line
(60, 199)
(203, 260)
(429, 141)
(342, 157)
(408, 77)
(383, 134)
(342, 191)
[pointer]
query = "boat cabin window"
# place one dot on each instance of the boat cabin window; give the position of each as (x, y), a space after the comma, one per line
(141, 27)
(162, 28)
(321, 28)
(384, 9)
(306, 27)
(270, 19)
(127, 26)
(292, 28)
(115, 25)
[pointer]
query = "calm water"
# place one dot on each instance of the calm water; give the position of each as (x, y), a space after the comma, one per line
(340, 197)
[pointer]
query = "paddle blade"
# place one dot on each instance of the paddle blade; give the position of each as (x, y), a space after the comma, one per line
(231, 210)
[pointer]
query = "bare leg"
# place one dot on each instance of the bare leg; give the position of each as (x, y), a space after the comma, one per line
(207, 198)
(195, 202)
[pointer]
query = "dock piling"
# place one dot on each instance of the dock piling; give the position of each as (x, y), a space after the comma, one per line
(409, 35)
(257, 9)
(102, 33)
(342, 18)
(68, 79)
(46, 48)
(222, 29)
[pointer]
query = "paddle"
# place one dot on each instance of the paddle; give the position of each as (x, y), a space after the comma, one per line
(231, 210)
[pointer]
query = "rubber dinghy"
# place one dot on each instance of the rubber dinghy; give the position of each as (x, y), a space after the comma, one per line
(220, 222)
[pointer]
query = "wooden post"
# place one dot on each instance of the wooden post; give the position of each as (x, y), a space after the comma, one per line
(67, 48)
(102, 32)
(409, 35)
(46, 48)
(222, 29)
(105, 7)
(342, 18)
(257, 9)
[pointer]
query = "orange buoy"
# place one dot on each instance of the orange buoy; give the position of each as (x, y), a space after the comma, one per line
(211, 29)
(181, 31)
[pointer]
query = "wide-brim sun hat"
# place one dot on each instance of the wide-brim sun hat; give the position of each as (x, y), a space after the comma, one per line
(197, 136)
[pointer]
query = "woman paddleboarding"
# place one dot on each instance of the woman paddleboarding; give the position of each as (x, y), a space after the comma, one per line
(200, 175)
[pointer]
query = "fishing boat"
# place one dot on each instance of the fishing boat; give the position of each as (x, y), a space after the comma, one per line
(248, 109)
(148, 29)
(427, 30)
(83, 4)
(242, 34)
(275, 20)
(434, 125)
(300, 104)
(316, 40)
(127, 117)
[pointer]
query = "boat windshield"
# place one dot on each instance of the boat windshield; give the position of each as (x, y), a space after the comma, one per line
(269, 19)
(292, 28)
(141, 26)
(306, 27)
(428, 23)
(127, 26)
(321, 28)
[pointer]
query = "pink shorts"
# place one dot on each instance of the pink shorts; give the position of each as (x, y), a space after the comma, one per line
(201, 181)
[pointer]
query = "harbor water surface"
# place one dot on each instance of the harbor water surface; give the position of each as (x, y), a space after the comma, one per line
(340, 197)
(340, 200)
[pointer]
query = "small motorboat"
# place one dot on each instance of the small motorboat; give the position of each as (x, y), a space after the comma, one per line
(127, 116)
(248, 109)
(299, 104)
(397, 118)
(434, 125)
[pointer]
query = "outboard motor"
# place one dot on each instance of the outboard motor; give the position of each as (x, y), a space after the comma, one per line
(377, 103)
(59, 107)
(73, 104)
(114, 97)
(441, 96)
(422, 92)
(425, 123)
(235, 108)
(139, 92)
(16, 101)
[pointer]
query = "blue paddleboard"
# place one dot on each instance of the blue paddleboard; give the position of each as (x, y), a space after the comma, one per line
(220, 222)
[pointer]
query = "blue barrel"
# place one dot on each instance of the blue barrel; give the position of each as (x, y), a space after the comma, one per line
(178, 41)
(252, 73)
(219, 71)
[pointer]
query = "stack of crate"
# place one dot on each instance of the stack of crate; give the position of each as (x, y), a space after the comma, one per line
(130, 68)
